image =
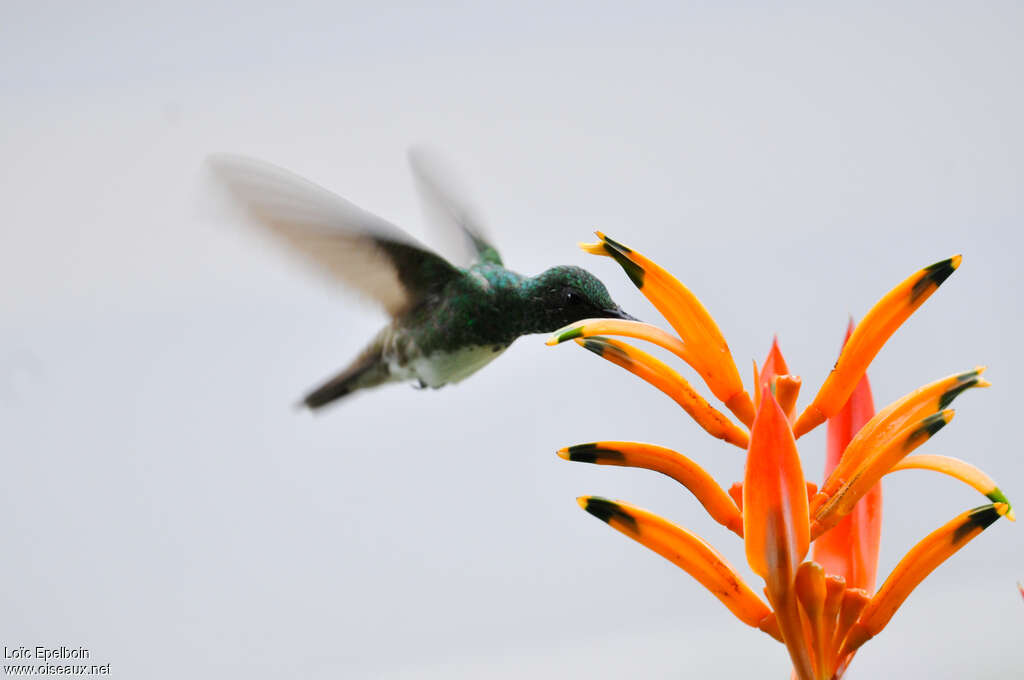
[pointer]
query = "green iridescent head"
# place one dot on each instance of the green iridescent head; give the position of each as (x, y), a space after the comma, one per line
(563, 295)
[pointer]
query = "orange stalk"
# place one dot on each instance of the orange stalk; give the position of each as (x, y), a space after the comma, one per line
(888, 422)
(787, 388)
(867, 339)
(871, 470)
(623, 328)
(668, 462)
(736, 494)
(852, 603)
(770, 625)
(659, 374)
(923, 558)
(690, 319)
(835, 586)
(958, 469)
(757, 389)
(685, 550)
(811, 591)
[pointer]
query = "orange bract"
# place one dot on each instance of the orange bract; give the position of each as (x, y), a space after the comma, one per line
(822, 610)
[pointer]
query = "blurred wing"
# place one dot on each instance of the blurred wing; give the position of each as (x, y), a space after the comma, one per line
(451, 216)
(350, 245)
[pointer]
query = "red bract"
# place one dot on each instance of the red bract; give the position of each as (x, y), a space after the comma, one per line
(850, 549)
(822, 610)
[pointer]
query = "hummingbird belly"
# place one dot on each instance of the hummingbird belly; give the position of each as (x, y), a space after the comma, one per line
(443, 367)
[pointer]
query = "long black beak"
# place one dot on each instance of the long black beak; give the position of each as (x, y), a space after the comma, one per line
(617, 313)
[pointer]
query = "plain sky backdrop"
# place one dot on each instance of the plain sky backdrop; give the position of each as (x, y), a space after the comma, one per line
(165, 505)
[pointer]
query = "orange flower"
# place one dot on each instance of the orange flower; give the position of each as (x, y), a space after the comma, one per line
(822, 610)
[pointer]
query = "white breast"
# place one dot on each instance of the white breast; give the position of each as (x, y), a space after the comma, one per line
(441, 368)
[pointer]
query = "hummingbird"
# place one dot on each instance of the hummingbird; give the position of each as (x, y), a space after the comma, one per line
(447, 320)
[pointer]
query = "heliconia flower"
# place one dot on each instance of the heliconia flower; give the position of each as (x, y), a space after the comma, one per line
(823, 609)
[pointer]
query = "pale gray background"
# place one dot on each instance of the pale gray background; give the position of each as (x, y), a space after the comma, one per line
(164, 504)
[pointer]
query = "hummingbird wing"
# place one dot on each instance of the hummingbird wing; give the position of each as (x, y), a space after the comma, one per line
(350, 245)
(447, 212)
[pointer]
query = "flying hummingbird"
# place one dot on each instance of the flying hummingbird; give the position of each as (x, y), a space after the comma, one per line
(447, 321)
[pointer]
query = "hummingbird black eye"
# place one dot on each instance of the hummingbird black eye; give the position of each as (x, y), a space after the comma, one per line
(572, 297)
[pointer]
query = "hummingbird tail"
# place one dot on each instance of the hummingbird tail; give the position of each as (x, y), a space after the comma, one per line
(368, 370)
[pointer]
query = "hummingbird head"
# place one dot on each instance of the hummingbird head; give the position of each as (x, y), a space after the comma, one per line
(565, 294)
